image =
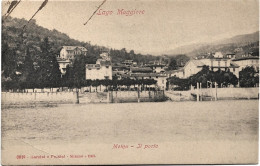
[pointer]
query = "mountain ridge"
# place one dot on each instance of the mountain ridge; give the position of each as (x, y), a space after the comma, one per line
(235, 41)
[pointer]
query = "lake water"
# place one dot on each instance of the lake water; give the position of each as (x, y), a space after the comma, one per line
(234, 121)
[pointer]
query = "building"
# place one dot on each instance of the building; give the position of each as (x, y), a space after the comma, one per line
(101, 70)
(63, 63)
(218, 55)
(177, 73)
(120, 74)
(141, 70)
(230, 55)
(160, 78)
(128, 62)
(105, 56)
(245, 61)
(147, 73)
(143, 73)
(69, 52)
(159, 68)
(194, 66)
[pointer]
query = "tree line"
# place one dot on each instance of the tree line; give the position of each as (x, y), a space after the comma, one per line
(248, 77)
(111, 85)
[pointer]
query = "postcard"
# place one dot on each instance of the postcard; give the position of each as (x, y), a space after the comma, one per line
(93, 82)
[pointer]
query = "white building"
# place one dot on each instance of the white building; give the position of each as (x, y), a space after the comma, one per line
(101, 70)
(63, 63)
(218, 55)
(194, 66)
(69, 52)
(243, 62)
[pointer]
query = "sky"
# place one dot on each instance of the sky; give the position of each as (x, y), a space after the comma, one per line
(163, 25)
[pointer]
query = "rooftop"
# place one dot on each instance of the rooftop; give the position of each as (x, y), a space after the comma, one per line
(141, 69)
(74, 47)
(93, 66)
(246, 58)
(147, 75)
(197, 62)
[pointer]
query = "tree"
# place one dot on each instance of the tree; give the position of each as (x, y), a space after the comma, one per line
(172, 65)
(48, 72)
(68, 78)
(29, 71)
(88, 83)
(106, 83)
(220, 77)
(248, 77)
(9, 60)
(55, 74)
(79, 71)
(96, 83)
(181, 84)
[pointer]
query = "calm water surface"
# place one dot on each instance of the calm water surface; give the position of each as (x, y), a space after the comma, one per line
(168, 121)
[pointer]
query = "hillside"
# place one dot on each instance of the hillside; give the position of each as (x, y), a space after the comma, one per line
(246, 41)
(240, 39)
(34, 34)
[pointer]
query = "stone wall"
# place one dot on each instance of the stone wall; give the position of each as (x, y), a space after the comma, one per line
(20, 98)
(230, 93)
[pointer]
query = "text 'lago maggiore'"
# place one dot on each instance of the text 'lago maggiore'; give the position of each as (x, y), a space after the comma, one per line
(122, 12)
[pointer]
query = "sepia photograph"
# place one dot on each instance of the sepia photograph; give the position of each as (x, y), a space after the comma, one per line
(94, 82)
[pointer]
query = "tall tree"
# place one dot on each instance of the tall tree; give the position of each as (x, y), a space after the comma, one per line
(48, 72)
(79, 71)
(68, 78)
(29, 71)
(55, 74)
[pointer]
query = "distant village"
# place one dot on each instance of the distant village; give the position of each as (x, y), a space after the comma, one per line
(158, 70)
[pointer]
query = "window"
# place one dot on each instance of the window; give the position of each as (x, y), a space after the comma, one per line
(163, 81)
(234, 69)
(218, 63)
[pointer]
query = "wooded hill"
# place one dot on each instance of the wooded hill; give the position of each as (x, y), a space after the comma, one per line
(33, 34)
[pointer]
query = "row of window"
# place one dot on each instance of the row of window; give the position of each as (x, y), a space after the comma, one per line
(98, 68)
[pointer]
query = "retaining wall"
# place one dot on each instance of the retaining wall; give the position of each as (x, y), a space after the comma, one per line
(230, 93)
(132, 96)
(57, 97)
